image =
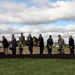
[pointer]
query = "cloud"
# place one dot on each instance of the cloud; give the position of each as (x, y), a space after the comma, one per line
(33, 14)
(38, 12)
(35, 30)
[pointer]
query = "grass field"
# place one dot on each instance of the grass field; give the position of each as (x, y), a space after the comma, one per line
(37, 67)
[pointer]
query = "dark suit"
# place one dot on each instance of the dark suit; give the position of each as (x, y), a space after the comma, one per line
(5, 45)
(14, 44)
(49, 45)
(30, 44)
(71, 44)
(41, 44)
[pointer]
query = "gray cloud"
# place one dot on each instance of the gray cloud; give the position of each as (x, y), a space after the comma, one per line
(21, 13)
(35, 30)
(39, 13)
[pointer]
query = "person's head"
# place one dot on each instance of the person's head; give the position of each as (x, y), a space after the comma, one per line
(21, 34)
(40, 35)
(59, 36)
(29, 35)
(50, 36)
(34, 37)
(3, 37)
(70, 36)
(12, 35)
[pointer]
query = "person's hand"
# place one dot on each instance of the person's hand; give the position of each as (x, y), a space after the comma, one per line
(50, 47)
(70, 47)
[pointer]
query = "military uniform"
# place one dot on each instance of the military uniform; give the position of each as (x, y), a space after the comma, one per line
(21, 44)
(61, 45)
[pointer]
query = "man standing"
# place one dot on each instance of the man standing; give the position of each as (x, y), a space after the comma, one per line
(41, 43)
(49, 44)
(71, 45)
(61, 44)
(14, 44)
(30, 43)
(21, 43)
(5, 44)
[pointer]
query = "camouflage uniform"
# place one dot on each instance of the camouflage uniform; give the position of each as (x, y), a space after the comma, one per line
(21, 44)
(61, 45)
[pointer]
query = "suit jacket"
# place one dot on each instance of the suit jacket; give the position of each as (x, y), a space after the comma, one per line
(13, 42)
(71, 43)
(30, 41)
(49, 42)
(5, 43)
(41, 41)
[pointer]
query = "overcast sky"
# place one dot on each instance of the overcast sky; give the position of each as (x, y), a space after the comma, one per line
(48, 17)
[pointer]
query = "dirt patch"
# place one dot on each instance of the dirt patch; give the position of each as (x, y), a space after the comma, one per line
(36, 51)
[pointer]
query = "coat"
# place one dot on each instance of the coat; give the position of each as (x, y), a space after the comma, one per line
(71, 43)
(30, 41)
(49, 42)
(41, 41)
(5, 43)
(13, 42)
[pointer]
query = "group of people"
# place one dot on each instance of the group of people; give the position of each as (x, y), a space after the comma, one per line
(13, 44)
(40, 42)
(62, 44)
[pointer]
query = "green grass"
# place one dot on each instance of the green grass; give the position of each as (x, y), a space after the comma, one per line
(37, 67)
